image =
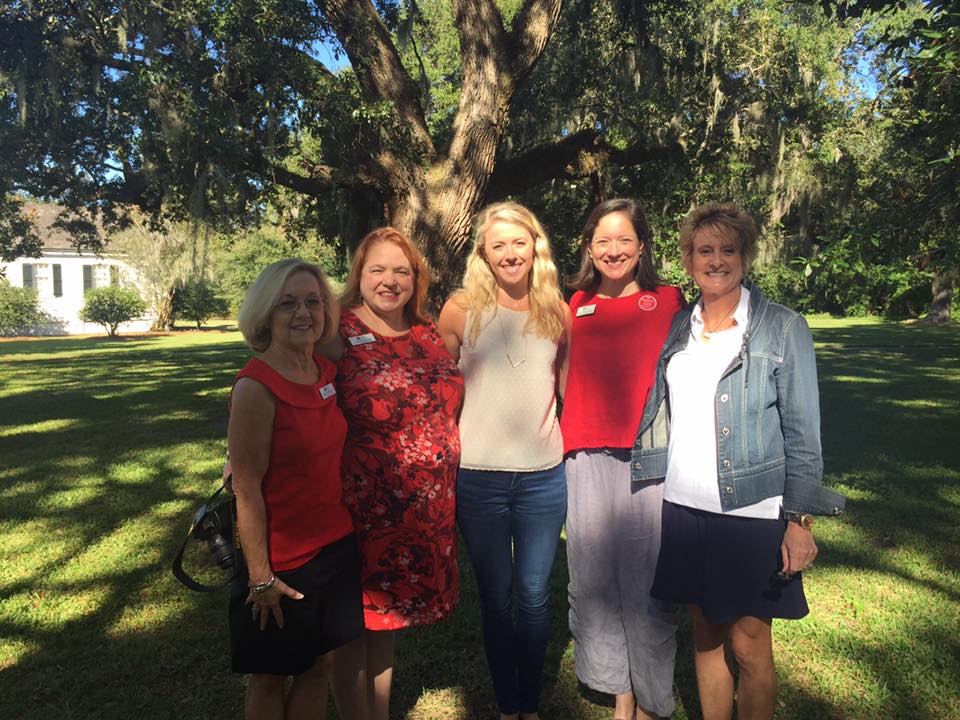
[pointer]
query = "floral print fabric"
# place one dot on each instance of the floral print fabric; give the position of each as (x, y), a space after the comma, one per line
(401, 397)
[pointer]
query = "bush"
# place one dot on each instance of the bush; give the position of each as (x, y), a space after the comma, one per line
(782, 284)
(20, 312)
(198, 300)
(111, 306)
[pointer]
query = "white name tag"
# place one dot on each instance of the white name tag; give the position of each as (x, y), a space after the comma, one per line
(328, 391)
(361, 339)
(586, 310)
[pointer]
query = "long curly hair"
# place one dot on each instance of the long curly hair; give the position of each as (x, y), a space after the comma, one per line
(479, 289)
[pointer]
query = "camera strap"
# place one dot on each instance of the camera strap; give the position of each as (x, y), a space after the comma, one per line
(179, 573)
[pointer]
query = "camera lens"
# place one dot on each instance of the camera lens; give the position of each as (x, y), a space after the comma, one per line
(221, 550)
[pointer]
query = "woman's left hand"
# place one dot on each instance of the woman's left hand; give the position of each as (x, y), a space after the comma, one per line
(798, 549)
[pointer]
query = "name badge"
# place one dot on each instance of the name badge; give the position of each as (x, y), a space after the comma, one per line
(328, 391)
(586, 310)
(364, 339)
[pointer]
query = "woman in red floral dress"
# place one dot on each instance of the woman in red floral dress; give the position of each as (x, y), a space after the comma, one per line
(400, 391)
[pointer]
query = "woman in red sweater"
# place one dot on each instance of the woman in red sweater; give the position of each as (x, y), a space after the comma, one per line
(624, 644)
(299, 598)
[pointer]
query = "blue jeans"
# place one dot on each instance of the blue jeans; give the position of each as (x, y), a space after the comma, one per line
(511, 524)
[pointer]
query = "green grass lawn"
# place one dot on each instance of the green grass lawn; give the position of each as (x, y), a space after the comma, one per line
(106, 447)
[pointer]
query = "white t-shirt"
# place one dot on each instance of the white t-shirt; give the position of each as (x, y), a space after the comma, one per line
(693, 375)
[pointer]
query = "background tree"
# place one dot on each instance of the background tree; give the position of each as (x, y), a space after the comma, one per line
(165, 257)
(198, 300)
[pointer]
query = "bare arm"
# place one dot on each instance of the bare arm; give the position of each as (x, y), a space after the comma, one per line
(249, 437)
(452, 325)
(563, 352)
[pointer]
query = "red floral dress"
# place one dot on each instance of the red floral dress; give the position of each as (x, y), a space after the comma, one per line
(401, 397)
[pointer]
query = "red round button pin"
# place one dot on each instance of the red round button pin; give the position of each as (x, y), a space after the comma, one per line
(647, 302)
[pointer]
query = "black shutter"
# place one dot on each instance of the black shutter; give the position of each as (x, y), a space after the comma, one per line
(27, 275)
(57, 281)
(87, 277)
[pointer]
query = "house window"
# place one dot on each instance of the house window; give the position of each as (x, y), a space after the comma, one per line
(98, 276)
(42, 280)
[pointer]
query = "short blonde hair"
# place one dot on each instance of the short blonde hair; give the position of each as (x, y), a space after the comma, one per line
(720, 217)
(414, 311)
(261, 296)
(480, 284)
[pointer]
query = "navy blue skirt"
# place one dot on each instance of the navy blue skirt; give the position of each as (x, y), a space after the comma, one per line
(725, 565)
(329, 615)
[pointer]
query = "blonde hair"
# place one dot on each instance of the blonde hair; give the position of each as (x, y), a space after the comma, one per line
(728, 218)
(261, 296)
(413, 311)
(479, 290)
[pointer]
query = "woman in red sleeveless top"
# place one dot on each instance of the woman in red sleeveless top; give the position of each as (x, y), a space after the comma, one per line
(299, 597)
(624, 644)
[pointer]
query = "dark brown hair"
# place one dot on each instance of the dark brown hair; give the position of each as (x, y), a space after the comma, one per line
(587, 277)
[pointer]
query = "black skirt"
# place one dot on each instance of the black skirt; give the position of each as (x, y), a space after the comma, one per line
(329, 615)
(726, 565)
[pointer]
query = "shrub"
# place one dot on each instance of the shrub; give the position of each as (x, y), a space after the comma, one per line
(20, 312)
(111, 306)
(198, 300)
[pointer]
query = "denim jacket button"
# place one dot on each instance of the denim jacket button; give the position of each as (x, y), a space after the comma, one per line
(637, 466)
(728, 489)
(726, 463)
(725, 431)
(724, 397)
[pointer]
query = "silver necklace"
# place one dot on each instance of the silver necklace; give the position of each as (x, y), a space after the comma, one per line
(506, 345)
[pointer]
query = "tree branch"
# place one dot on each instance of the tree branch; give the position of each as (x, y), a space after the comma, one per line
(322, 178)
(575, 156)
(93, 55)
(377, 63)
(531, 30)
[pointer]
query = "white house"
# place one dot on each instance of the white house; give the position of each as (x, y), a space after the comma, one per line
(61, 276)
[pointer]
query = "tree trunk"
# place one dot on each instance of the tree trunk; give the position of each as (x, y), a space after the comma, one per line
(164, 319)
(939, 312)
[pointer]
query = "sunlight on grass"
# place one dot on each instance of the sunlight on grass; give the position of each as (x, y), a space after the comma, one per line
(94, 506)
(13, 649)
(51, 610)
(38, 427)
(441, 704)
(860, 380)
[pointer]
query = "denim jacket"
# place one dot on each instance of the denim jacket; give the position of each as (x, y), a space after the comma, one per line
(767, 410)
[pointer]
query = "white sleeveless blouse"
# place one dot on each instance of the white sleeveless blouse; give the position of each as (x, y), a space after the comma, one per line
(509, 418)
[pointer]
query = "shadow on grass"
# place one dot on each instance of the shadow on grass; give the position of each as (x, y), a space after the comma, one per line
(93, 509)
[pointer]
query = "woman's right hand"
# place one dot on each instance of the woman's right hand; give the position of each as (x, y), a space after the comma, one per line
(267, 603)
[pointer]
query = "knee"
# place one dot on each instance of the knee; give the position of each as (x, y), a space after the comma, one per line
(751, 652)
(533, 597)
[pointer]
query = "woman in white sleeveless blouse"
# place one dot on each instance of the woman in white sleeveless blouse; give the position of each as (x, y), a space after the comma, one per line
(508, 328)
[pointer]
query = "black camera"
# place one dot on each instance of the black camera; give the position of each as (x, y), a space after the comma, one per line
(215, 526)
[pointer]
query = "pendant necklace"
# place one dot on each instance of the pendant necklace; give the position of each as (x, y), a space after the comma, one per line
(506, 345)
(707, 333)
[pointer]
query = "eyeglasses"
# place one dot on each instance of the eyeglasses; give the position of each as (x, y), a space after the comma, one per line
(291, 305)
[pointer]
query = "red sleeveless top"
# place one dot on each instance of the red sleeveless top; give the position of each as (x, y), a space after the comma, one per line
(301, 489)
(614, 346)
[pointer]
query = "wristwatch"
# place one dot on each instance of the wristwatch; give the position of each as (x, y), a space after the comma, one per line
(804, 520)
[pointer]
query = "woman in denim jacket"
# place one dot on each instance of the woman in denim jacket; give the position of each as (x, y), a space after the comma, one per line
(736, 395)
